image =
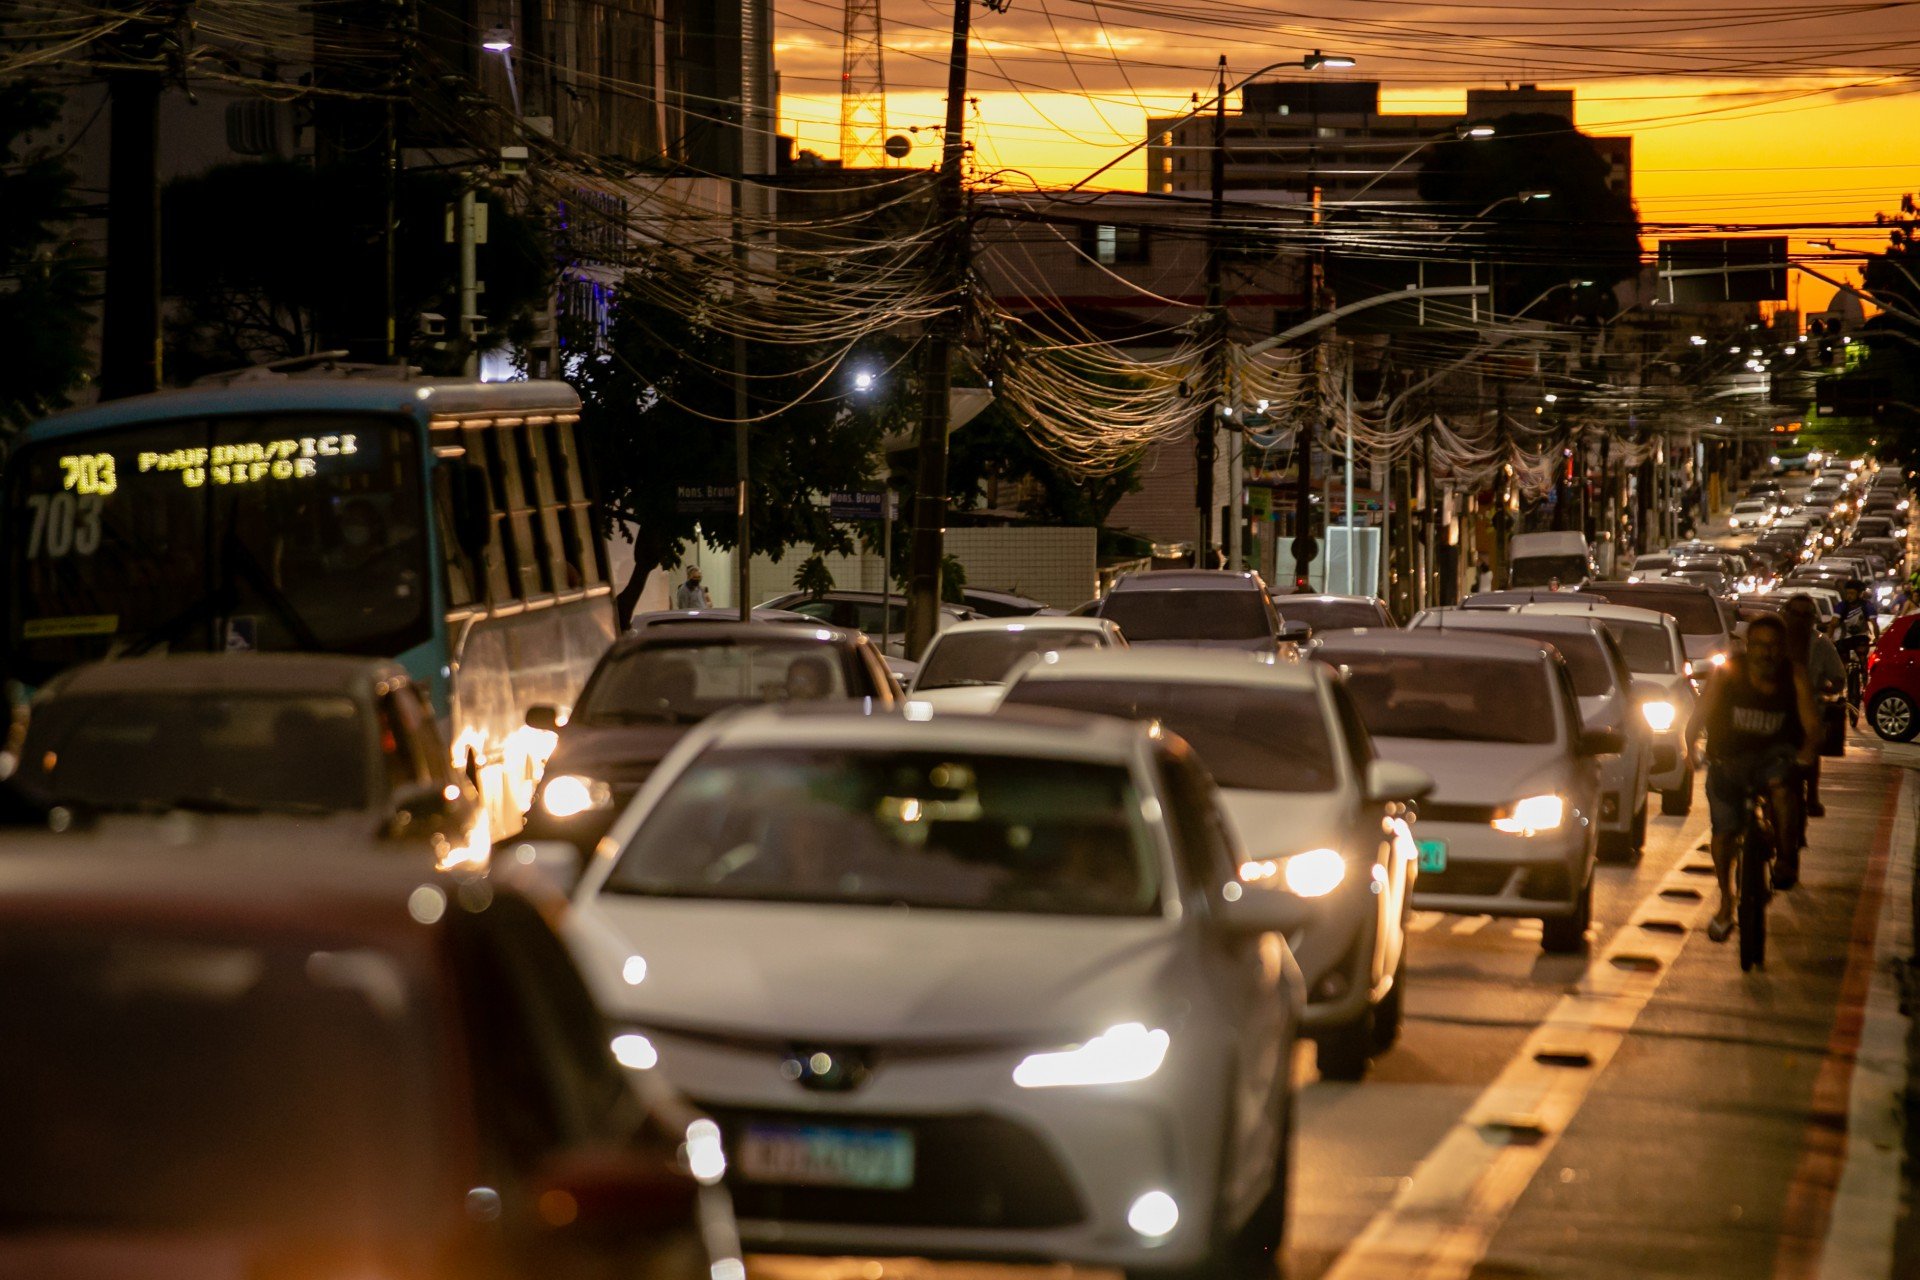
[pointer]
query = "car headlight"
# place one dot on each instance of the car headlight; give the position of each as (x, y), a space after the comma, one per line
(570, 795)
(1775, 460)
(1535, 813)
(1659, 714)
(1121, 1054)
(1315, 873)
(1717, 659)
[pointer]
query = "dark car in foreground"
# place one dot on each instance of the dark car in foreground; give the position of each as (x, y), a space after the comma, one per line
(316, 747)
(651, 687)
(245, 1065)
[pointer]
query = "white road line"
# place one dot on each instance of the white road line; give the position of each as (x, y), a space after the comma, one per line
(1472, 925)
(1860, 1227)
(1422, 921)
(1445, 1217)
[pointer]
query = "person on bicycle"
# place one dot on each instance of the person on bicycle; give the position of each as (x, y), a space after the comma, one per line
(1760, 725)
(1859, 628)
(1826, 672)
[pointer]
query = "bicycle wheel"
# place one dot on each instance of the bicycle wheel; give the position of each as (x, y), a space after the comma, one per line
(1752, 873)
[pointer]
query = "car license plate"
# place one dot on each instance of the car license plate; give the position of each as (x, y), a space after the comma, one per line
(1433, 854)
(820, 1155)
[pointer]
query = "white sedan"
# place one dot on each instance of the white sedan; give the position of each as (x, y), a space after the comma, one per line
(956, 985)
(967, 666)
(1320, 816)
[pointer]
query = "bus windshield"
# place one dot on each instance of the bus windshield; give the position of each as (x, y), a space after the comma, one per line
(237, 532)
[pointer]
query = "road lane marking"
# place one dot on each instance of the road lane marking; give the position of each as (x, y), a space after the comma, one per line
(1472, 925)
(1859, 1239)
(1443, 1220)
(1423, 921)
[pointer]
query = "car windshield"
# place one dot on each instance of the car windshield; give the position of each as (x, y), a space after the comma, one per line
(1252, 738)
(164, 1082)
(280, 532)
(1696, 613)
(1146, 616)
(1542, 571)
(1450, 697)
(955, 830)
(1586, 656)
(1646, 646)
(683, 681)
(1330, 615)
(200, 749)
(985, 657)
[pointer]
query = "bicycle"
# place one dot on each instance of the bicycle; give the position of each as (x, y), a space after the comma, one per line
(1755, 853)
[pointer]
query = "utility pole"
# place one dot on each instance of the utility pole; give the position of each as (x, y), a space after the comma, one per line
(470, 232)
(1215, 407)
(928, 549)
(742, 474)
(130, 332)
(1503, 486)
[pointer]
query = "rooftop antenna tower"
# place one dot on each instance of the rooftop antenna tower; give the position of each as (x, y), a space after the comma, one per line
(863, 89)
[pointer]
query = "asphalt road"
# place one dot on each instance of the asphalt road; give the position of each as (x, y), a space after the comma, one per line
(1707, 1134)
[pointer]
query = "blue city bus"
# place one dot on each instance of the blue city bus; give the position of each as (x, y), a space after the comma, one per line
(447, 525)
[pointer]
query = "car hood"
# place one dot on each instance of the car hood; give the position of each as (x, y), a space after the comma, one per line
(353, 829)
(963, 697)
(1604, 711)
(1274, 824)
(1480, 773)
(616, 754)
(873, 973)
(1698, 647)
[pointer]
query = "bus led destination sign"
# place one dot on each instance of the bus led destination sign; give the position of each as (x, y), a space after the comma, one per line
(247, 463)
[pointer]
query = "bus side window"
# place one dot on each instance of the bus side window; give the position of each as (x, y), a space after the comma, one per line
(584, 553)
(537, 470)
(527, 569)
(460, 570)
(479, 455)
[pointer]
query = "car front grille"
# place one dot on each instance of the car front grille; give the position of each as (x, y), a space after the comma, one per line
(1442, 811)
(1467, 879)
(969, 1171)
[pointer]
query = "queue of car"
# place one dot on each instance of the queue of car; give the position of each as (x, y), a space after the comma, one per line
(1004, 960)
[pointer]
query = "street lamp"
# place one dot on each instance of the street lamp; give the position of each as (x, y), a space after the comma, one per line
(500, 40)
(1316, 60)
(864, 380)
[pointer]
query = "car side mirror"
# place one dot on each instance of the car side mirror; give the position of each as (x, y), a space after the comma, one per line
(612, 1191)
(544, 717)
(552, 866)
(417, 809)
(1295, 633)
(1390, 782)
(1602, 742)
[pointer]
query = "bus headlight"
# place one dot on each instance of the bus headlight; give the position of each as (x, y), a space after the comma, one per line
(569, 795)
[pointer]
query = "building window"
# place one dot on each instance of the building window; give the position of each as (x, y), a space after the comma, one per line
(1166, 188)
(1166, 164)
(1111, 245)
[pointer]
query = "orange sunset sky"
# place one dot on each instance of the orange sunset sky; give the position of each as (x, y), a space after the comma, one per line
(1789, 113)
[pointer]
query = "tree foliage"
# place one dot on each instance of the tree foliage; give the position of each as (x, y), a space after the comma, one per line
(253, 255)
(1583, 231)
(658, 410)
(43, 274)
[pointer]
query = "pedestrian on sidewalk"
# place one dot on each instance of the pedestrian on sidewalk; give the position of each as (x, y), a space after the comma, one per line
(692, 593)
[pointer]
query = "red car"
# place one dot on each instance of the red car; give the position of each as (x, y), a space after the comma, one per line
(286, 1068)
(1892, 695)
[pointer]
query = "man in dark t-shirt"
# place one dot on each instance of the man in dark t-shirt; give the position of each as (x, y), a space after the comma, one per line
(1760, 724)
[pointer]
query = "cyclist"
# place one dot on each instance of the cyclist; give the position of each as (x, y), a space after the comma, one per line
(1859, 628)
(1760, 724)
(1826, 672)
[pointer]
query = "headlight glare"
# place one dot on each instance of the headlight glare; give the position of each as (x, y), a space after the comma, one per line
(1315, 873)
(1533, 814)
(570, 795)
(1121, 1054)
(1659, 714)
